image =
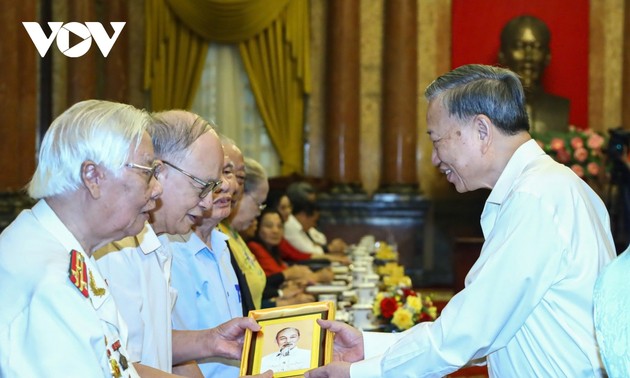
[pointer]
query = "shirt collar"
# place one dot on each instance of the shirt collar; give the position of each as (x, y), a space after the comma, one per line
(194, 245)
(148, 240)
(219, 240)
(47, 217)
(522, 157)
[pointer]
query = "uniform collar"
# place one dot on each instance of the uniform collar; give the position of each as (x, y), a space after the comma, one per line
(51, 222)
(148, 240)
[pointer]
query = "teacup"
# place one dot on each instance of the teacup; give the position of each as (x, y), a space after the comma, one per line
(362, 316)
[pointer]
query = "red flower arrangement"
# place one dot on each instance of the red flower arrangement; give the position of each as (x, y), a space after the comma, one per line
(402, 308)
(580, 150)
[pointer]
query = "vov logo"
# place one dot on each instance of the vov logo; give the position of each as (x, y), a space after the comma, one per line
(61, 32)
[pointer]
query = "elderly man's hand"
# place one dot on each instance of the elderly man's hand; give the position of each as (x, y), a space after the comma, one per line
(348, 345)
(226, 340)
(333, 370)
(337, 245)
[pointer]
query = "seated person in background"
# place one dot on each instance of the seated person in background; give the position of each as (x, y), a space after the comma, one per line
(290, 254)
(250, 231)
(208, 290)
(300, 232)
(281, 202)
(266, 246)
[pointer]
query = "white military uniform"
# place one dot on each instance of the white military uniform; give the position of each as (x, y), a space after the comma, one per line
(57, 317)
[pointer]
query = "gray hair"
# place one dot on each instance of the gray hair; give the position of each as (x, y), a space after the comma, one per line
(255, 175)
(173, 131)
(479, 89)
(96, 130)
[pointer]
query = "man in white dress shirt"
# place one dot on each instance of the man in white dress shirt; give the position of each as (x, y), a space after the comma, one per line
(527, 308)
(289, 357)
(95, 181)
(139, 268)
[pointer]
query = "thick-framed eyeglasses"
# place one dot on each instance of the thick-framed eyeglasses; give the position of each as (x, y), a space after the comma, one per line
(151, 171)
(261, 206)
(207, 186)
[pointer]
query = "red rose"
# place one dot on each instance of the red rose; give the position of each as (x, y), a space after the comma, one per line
(562, 156)
(595, 141)
(581, 154)
(388, 307)
(592, 168)
(578, 170)
(557, 144)
(577, 142)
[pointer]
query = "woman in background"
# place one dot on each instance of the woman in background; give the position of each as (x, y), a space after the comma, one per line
(267, 247)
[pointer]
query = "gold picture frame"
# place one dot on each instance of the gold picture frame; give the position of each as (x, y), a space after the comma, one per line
(290, 342)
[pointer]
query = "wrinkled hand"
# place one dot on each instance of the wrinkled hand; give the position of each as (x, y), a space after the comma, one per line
(342, 259)
(337, 246)
(348, 345)
(333, 369)
(267, 374)
(324, 275)
(226, 340)
(296, 272)
(290, 292)
(298, 299)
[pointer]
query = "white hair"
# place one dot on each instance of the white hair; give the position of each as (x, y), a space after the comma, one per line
(96, 130)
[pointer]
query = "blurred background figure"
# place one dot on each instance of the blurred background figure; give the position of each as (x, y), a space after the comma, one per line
(268, 247)
(300, 227)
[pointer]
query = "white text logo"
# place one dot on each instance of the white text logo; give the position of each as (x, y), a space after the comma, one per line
(62, 31)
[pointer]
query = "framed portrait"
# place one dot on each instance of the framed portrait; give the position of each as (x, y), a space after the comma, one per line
(290, 341)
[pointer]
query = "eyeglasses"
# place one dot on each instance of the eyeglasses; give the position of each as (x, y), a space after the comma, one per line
(152, 171)
(261, 206)
(207, 186)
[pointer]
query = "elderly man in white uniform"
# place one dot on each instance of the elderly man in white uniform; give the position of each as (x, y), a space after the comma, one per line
(95, 184)
(139, 268)
(527, 309)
